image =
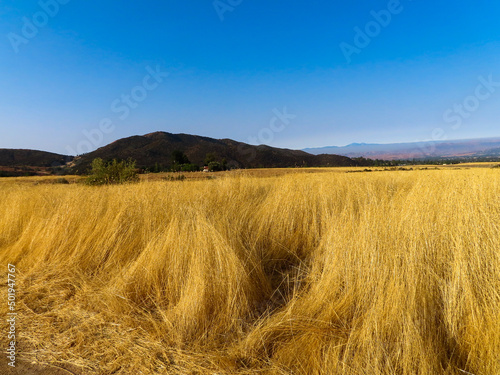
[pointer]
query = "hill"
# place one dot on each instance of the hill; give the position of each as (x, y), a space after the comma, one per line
(31, 158)
(20, 162)
(157, 148)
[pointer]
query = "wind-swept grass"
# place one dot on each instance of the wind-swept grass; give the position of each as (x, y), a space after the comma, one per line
(394, 272)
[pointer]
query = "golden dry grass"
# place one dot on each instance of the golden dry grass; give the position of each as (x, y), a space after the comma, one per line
(394, 272)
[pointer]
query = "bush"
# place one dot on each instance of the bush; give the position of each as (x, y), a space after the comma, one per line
(180, 158)
(61, 181)
(185, 168)
(189, 168)
(180, 177)
(214, 166)
(114, 172)
(157, 168)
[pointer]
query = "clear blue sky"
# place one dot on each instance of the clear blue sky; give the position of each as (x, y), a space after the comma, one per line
(231, 68)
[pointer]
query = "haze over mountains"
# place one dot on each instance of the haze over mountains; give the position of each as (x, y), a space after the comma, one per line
(416, 150)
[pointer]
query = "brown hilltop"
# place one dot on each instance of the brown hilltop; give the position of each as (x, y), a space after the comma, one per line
(157, 148)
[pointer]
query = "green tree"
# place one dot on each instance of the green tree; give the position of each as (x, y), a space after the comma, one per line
(210, 157)
(189, 168)
(214, 166)
(114, 172)
(180, 158)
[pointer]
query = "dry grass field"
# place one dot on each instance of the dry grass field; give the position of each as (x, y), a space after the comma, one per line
(327, 272)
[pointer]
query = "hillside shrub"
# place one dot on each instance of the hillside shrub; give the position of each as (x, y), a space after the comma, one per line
(113, 172)
(180, 177)
(62, 181)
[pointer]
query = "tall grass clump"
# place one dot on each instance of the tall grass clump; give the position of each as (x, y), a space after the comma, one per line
(394, 272)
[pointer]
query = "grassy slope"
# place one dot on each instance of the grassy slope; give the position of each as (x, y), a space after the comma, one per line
(330, 273)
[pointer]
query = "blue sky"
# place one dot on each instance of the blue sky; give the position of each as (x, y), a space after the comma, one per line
(274, 72)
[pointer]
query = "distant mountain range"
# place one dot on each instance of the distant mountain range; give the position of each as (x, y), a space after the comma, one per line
(417, 150)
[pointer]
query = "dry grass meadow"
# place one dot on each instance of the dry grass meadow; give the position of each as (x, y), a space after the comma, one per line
(327, 272)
